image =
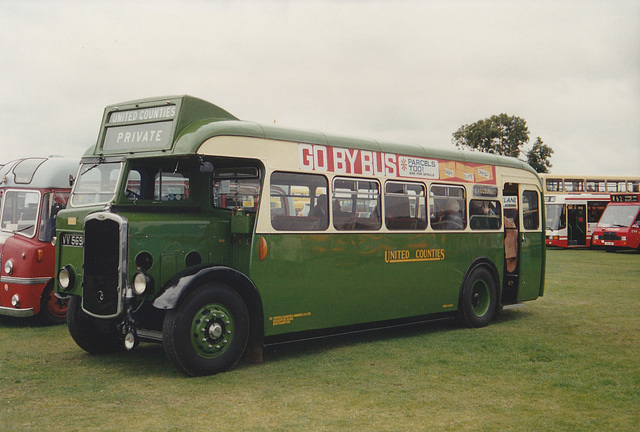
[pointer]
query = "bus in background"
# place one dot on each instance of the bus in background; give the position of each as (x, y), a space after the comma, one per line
(570, 184)
(34, 189)
(571, 219)
(619, 226)
(216, 236)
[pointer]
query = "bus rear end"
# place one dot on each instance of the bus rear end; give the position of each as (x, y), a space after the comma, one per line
(619, 226)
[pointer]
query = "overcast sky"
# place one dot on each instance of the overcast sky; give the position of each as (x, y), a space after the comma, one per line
(400, 71)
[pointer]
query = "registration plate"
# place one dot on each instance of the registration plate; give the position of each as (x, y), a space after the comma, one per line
(608, 243)
(75, 240)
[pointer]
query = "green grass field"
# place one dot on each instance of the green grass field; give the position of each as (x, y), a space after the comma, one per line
(568, 361)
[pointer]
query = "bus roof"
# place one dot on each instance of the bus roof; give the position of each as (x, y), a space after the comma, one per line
(39, 172)
(178, 125)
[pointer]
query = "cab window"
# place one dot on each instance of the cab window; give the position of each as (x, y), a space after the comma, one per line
(167, 182)
(236, 188)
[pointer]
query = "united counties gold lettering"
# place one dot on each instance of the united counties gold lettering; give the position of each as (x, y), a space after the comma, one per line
(396, 256)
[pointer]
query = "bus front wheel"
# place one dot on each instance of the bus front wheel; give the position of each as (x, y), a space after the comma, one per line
(208, 332)
(91, 334)
(478, 299)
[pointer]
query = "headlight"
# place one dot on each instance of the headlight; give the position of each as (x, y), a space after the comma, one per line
(65, 278)
(15, 301)
(595, 237)
(141, 282)
(8, 267)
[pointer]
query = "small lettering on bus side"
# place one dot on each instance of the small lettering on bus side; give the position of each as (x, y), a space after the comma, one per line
(287, 319)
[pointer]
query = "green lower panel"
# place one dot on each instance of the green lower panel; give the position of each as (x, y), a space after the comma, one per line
(310, 282)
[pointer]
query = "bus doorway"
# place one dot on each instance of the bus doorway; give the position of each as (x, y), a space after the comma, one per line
(576, 225)
(523, 244)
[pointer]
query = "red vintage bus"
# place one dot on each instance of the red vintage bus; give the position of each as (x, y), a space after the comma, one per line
(33, 190)
(619, 226)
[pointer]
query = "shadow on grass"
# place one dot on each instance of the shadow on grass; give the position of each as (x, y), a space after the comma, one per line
(287, 350)
(32, 321)
(274, 353)
(149, 359)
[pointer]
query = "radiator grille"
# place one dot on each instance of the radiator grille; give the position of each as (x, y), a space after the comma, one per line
(101, 267)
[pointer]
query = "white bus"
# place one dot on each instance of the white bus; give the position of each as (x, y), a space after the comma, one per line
(571, 219)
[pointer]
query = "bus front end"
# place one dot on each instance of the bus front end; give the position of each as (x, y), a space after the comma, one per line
(556, 222)
(619, 226)
(148, 225)
(34, 191)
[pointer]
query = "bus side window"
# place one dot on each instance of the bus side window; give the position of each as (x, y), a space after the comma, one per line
(447, 207)
(299, 202)
(404, 206)
(530, 218)
(484, 215)
(356, 204)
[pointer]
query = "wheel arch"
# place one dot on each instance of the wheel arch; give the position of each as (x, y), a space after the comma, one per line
(182, 284)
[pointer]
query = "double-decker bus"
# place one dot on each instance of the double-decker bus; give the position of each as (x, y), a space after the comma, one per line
(576, 184)
(571, 219)
(619, 226)
(34, 189)
(217, 236)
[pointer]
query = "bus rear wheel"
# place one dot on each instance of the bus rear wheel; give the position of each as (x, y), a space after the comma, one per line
(208, 332)
(92, 335)
(478, 299)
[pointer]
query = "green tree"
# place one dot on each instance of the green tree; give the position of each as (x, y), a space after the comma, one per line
(499, 134)
(539, 156)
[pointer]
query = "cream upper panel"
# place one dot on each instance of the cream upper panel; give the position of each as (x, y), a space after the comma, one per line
(279, 155)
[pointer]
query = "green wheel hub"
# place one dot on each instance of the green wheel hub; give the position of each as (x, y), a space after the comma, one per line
(480, 297)
(212, 330)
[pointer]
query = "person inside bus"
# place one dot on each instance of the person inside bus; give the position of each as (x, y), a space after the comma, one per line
(510, 240)
(320, 209)
(337, 209)
(453, 216)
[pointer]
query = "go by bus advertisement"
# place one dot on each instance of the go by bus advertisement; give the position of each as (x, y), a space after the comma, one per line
(337, 160)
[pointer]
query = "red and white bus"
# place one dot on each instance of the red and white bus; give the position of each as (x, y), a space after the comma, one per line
(33, 190)
(571, 219)
(619, 226)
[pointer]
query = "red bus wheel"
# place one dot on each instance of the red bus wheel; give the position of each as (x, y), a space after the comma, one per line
(53, 309)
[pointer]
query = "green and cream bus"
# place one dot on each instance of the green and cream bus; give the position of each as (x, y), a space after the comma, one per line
(217, 236)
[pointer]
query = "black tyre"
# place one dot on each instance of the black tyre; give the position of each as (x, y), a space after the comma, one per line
(208, 332)
(92, 335)
(479, 299)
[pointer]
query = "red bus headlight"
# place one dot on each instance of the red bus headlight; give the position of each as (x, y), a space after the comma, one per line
(8, 267)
